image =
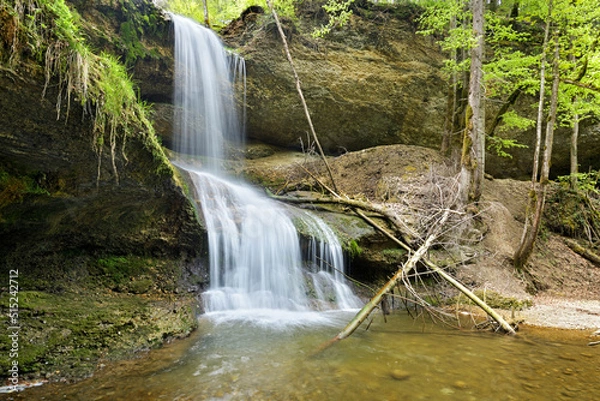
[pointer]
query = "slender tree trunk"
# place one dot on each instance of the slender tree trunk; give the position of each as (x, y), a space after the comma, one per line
(510, 101)
(540, 115)
(526, 247)
(206, 19)
(574, 162)
(473, 154)
(451, 104)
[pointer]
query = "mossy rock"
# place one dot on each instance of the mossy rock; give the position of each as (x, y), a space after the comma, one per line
(66, 334)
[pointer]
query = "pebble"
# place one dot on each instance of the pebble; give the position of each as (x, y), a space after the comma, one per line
(461, 385)
(399, 374)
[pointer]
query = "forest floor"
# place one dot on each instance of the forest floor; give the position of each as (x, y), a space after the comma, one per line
(558, 288)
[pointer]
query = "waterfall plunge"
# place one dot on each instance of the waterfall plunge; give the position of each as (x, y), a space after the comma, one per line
(254, 248)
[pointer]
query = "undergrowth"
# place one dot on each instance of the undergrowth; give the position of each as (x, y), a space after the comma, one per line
(49, 33)
(575, 212)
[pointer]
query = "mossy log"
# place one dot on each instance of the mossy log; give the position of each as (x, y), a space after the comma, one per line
(583, 251)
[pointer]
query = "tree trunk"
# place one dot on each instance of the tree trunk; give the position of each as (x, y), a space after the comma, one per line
(574, 162)
(512, 98)
(473, 154)
(540, 114)
(528, 241)
(451, 105)
(206, 19)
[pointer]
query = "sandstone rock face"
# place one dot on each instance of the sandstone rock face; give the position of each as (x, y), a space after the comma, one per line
(376, 82)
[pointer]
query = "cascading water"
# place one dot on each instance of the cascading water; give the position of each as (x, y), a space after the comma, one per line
(254, 248)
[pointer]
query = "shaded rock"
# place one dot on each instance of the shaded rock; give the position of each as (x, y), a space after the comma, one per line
(147, 213)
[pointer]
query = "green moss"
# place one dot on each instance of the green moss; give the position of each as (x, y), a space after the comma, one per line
(353, 249)
(494, 300)
(66, 334)
(394, 255)
(134, 47)
(13, 188)
(52, 32)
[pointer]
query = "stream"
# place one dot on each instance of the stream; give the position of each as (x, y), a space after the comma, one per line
(403, 359)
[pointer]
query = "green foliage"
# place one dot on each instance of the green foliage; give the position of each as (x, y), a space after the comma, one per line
(588, 183)
(575, 213)
(501, 145)
(339, 14)
(129, 35)
(222, 12)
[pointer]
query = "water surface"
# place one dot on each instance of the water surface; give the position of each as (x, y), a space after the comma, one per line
(399, 360)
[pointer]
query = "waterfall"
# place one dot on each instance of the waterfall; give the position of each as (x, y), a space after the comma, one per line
(255, 255)
(206, 122)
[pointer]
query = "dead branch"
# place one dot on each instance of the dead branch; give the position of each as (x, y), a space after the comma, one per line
(402, 273)
(373, 303)
(407, 234)
(434, 235)
(583, 251)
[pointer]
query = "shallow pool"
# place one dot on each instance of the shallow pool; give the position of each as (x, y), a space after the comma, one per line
(402, 359)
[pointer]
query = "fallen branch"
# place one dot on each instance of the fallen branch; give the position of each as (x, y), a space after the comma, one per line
(456, 284)
(593, 343)
(418, 255)
(366, 310)
(406, 234)
(583, 251)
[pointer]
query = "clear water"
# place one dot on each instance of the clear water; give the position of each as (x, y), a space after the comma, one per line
(399, 360)
(256, 265)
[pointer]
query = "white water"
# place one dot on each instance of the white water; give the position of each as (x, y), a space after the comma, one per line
(254, 249)
(206, 122)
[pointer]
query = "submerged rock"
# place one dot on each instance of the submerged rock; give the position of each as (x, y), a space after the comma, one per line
(399, 374)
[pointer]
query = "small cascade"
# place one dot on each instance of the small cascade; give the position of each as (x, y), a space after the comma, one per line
(254, 251)
(325, 260)
(256, 263)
